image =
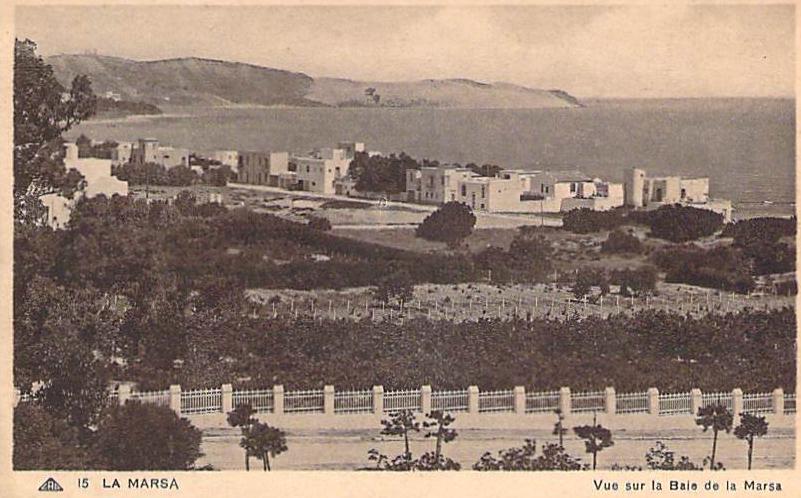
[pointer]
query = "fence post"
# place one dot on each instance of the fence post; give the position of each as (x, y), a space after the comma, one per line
(123, 394)
(610, 401)
(227, 391)
(328, 400)
(736, 403)
(653, 401)
(564, 401)
(520, 400)
(278, 399)
(472, 399)
(175, 398)
(778, 401)
(425, 399)
(696, 400)
(378, 400)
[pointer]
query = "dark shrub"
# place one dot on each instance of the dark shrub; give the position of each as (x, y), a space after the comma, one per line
(451, 224)
(621, 242)
(678, 223)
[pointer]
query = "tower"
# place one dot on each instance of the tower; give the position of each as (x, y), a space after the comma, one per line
(634, 184)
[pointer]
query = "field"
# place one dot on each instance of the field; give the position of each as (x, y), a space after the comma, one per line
(470, 302)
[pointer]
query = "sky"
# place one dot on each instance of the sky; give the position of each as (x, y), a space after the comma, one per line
(588, 51)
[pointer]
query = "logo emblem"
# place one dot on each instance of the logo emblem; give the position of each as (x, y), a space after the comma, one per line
(50, 485)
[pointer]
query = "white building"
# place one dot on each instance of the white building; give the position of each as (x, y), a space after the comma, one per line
(228, 157)
(148, 150)
(97, 181)
(642, 191)
(262, 168)
(317, 172)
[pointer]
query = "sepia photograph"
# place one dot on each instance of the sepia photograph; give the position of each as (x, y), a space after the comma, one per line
(409, 238)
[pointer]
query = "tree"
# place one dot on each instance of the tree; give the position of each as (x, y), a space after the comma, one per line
(401, 423)
(718, 418)
(263, 441)
(396, 285)
(451, 223)
(242, 416)
(751, 426)
(439, 422)
(583, 285)
(43, 110)
(558, 428)
(596, 439)
(45, 442)
(139, 436)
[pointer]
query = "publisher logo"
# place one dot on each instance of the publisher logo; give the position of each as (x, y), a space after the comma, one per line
(50, 485)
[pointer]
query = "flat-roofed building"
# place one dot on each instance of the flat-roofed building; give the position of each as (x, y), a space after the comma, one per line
(262, 168)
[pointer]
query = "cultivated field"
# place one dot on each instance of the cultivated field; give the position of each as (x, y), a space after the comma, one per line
(482, 300)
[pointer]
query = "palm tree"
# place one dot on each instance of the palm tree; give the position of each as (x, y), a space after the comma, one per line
(264, 441)
(717, 417)
(242, 416)
(399, 424)
(440, 421)
(558, 428)
(750, 427)
(596, 438)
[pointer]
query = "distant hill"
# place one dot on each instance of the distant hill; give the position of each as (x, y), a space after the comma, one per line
(194, 81)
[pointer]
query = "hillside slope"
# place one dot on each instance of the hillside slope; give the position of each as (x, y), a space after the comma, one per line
(188, 81)
(194, 81)
(459, 93)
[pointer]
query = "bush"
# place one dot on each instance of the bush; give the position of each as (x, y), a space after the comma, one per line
(319, 223)
(553, 458)
(723, 268)
(44, 442)
(621, 242)
(140, 436)
(635, 282)
(678, 223)
(767, 229)
(451, 223)
(586, 220)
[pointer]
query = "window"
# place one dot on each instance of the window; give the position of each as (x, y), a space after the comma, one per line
(482, 205)
(483, 193)
(572, 188)
(684, 193)
(307, 168)
(464, 190)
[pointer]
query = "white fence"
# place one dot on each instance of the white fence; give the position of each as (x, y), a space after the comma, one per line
(378, 402)
(675, 404)
(450, 401)
(402, 400)
(789, 403)
(632, 403)
(496, 401)
(758, 403)
(304, 401)
(161, 398)
(710, 399)
(260, 400)
(543, 402)
(353, 401)
(201, 401)
(592, 401)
